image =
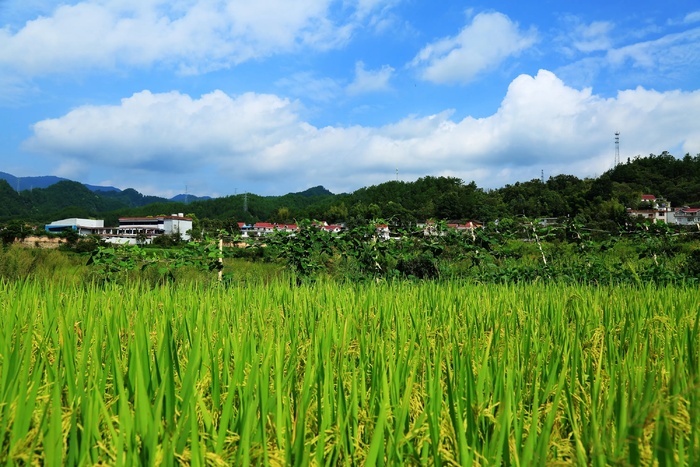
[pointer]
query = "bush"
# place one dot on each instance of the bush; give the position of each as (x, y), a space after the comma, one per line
(419, 267)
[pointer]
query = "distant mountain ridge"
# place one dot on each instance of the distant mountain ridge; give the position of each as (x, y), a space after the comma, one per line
(50, 197)
(314, 191)
(45, 181)
(186, 198)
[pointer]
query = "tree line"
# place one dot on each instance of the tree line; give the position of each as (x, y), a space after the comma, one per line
(601, 201)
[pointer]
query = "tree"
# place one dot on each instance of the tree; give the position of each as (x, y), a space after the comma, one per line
(196, 230)
(398, 216)
(282, 215)
(361, 214)
(14, 230)
(141, 237)
(337, 213)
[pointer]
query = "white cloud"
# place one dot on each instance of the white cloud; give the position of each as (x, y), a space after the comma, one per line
(542, 124)
(668, 60)
(490, 39)
(576, 37)
(308, 86)
(662, 54)
(14, 91)
(168, 132)
(192, 35)
(593, 37)
(370, 81)
(693, 17)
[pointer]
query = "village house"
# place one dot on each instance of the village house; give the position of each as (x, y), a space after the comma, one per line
(686, 216)
(656, 209)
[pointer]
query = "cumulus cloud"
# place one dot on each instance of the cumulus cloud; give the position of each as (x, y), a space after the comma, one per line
(192, 35)
(168, 132)
(541, 124)
(490, 39)
(370, 80)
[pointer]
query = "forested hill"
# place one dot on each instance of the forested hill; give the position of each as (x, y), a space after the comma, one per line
(678, 180)
(30, 183)
(602, 199)
(66, 199)
(62, 199)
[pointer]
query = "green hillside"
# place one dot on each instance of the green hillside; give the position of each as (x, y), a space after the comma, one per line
(601, 200)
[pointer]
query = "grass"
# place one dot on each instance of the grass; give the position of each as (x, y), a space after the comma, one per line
(346, 374)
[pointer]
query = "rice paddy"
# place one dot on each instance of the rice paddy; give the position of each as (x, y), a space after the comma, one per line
(440, 373)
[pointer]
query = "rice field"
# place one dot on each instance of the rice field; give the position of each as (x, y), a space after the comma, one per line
(349, 374)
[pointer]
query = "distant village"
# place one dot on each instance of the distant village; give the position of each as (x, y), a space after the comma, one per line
(142, 230)
(658, 209)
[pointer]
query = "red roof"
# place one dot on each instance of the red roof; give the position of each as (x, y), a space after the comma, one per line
(648, 198)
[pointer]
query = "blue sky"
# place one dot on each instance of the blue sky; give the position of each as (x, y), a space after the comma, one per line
(220, 97)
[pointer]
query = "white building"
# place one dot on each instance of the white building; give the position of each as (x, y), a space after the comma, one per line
(81, 226)
(657, 210)
(153, 226)
(131, 230)
(686, 216)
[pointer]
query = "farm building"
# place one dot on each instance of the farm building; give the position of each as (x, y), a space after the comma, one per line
(81, 226)
(131, 230)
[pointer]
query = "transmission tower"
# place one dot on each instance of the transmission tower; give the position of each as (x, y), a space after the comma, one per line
(617, 148)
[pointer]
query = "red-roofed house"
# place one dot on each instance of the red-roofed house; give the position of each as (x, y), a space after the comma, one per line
(687, 216)
(658, 210)
(260, 229)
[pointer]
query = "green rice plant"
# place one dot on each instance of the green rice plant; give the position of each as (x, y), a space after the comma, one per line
(326, 373)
